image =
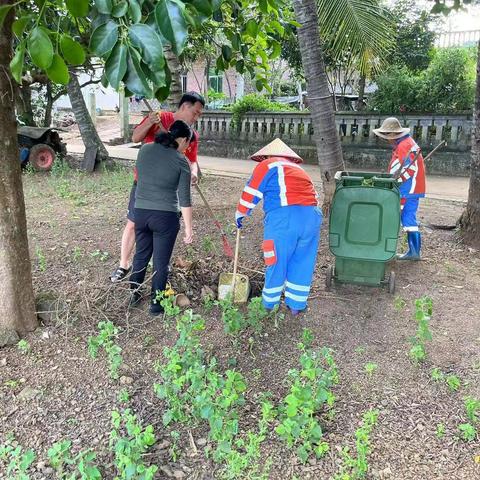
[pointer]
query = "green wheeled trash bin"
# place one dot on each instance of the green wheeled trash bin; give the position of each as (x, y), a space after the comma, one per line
(364, 228)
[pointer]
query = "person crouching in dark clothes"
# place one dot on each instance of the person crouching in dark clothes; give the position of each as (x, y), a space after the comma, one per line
(163, 190)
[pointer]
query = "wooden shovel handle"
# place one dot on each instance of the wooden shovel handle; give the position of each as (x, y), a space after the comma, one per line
(235, 263)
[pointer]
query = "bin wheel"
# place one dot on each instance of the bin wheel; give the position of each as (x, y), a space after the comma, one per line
(329, 276)
(42, 157)
(391, 283)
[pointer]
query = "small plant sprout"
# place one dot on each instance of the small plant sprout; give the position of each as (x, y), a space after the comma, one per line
(17, 460)
(108, 332)
(24, 346)
(42, 260)
(423, 314)
(370, 368)
(453, 382)
(77, 254)
(360, 350)
(399, 303)
(123, 396)
(208, 245)
(98, 254)
(437, 375)
(440, 431)
(467, 432)
(167, 301)
(472, 408)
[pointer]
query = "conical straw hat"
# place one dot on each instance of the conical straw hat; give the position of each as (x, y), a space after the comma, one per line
(391, 129)
(276, 149)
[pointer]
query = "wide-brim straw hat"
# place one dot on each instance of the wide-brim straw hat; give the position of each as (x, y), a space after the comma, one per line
(276, 149)
(391, 129)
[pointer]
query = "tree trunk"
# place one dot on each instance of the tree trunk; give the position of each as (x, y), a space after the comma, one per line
(176, 86)
(329, 149)
(47, 119)
(23, 103)
(361, 92)
(87, 129)
(17, 303)
(470, 221)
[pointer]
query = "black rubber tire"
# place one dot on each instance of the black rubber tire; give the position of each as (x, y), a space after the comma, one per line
(41, 157)
(391, 283)
(329, 276)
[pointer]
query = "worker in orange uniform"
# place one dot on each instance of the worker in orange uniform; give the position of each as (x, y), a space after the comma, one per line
(292, 224)
(408, 167)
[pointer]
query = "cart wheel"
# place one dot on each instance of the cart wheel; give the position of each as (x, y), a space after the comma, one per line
(42, 157)
(391, 283)
(329, 276)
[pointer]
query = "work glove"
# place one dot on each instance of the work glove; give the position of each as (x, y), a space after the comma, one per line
(239, 219)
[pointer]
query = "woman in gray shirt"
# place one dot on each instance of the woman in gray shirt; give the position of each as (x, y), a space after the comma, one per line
(163, 191)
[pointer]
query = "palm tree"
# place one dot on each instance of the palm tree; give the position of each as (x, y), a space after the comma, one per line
(360, 28)
(470, 221)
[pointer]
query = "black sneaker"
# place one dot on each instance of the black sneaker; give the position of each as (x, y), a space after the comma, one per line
(156, 309)
(135, 299)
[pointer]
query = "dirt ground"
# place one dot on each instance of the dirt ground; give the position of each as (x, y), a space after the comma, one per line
(75, 224)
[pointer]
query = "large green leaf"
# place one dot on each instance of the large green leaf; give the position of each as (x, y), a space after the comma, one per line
(116, 65)
(135, 11)
(136, 80)
(147, 39)
(19, 25)
(251, 28)
(104, 38)
(4, 9)
(171, 22)
(120, 9)
(157, 77)
(58, 71)
(163, 92)
(104, 6)
(78, 8)
(203, 6)
(16, 65)
(40, 48)
(72, 51)
(360, 27)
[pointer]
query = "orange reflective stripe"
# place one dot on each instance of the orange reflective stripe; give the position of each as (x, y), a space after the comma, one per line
(269, 254)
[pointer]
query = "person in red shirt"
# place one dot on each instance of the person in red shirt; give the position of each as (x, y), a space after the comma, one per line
(189, 110)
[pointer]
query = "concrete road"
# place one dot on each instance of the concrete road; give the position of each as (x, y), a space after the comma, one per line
(439, 187)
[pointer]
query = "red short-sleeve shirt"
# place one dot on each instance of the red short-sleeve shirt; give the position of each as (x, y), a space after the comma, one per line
(166, 119)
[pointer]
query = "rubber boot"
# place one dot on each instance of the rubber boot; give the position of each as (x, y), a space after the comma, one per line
(414, 247)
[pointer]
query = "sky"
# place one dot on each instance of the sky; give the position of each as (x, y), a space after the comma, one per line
(468, 19)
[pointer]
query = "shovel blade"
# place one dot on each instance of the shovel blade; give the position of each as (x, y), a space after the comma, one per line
(242, 287)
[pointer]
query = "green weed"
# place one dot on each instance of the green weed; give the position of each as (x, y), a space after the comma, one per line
(399, 303)
(440, 431)
(207, 245)
(370, 368)
(310, 392)
(108, 332)
(423, 314)
(129, 441)
(354, 468)
(472, 408)
(24, 347)
(98, 254)
(41, 259)
(167, 301)
(437, 375)
(123, 396)
(16, 461)
(68, 466)
(453, 382)
(468, 432)
(77, 254)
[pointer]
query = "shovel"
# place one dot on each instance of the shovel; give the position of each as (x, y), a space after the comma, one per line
(236, 285)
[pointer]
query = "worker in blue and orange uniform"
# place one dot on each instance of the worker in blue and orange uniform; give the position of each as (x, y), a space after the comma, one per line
(408, 167)
(292, 223)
